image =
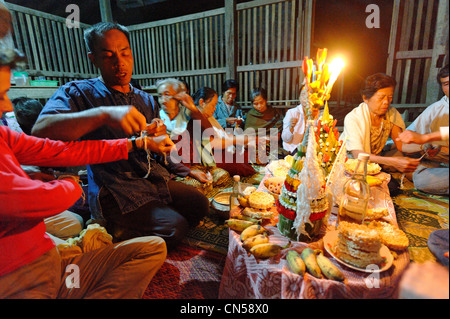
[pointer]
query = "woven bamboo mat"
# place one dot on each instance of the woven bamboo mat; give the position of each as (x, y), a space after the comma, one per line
(418, 215)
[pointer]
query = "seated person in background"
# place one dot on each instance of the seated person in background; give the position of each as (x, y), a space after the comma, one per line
(136, 197)
(174, 114)
(211, 149)
(294, 125)
(369, 126)
(227, 112)
(431, 175)
(187, 88)
(30, 265)
(9, 119)
(27, 111)
(176, 109)
(263, 115)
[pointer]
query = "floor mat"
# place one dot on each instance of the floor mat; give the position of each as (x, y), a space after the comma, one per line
(187, 273)
(211, 234)
(418, 215)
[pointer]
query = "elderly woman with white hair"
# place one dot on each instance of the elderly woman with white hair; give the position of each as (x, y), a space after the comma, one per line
(176, 105)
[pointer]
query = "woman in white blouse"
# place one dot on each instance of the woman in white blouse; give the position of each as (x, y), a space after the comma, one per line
(368, 126)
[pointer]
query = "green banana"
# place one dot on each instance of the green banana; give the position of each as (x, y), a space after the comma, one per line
(251, 231)
(309, 257)
(295, 262)
(265, 250)
(255, 240)
(237, 224)
(328, 268)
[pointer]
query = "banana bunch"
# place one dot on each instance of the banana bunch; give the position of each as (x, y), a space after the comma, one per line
(238, 225)
(254, 237)
(314, 262)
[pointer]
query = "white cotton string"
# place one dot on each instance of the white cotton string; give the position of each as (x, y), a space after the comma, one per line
(143, 135)
(159, 122)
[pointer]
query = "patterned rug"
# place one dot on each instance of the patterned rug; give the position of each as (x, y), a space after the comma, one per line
(193, 270)
(187, 273)
(418, 215)
(212, 234)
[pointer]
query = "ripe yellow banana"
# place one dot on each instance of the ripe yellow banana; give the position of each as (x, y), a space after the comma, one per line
(249, 243)
(237, 224)
(265, 250)
(251, 231)
(327, 267)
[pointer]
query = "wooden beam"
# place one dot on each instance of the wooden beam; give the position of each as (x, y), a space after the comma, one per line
(59, 74)
(417, 54)
(185, 18)
(31, 92)
(231, 39)
(393, 37)
(439, 47)
(180, 74)
(400, 106)
(45, 15)
(269, 66)
(105, 10)
(256, 3)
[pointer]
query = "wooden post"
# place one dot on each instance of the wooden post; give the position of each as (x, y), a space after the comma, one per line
(230, 39)
(393, 37)
(105, 10)
(439, 49)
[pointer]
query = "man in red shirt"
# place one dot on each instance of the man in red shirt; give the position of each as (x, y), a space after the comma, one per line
(30, 265)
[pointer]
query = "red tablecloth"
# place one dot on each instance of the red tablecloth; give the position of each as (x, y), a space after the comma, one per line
(246, 278)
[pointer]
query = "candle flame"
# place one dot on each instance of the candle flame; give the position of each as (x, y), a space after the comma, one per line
(336, 66)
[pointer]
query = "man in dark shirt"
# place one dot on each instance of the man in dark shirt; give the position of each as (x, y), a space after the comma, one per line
(135, 196)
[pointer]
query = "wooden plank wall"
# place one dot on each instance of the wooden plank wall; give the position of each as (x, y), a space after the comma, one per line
(411, 49)
(189, 47)
(270, 50)
(52, 49)
(273, 37)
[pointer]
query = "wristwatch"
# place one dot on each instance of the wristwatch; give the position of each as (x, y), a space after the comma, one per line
(133, 142)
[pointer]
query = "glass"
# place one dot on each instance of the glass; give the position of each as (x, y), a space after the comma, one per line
(356, 194)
